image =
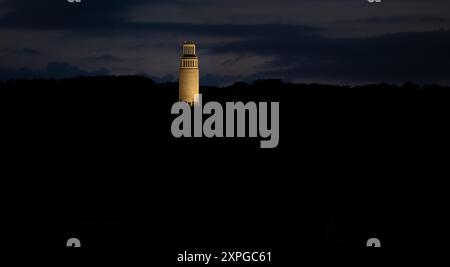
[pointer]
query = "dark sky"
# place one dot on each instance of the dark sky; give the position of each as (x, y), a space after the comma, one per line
(327, 41)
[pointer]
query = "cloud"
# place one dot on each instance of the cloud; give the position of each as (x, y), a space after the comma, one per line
(210, 79)
(106, 17)
(108, 58)
(91, 16)
(54, 70)
(421, 57)
(26, 51)
(234, 61)
(50, 14)
(393, 19)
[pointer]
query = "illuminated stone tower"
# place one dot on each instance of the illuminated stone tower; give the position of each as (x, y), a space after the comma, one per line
(189, 74)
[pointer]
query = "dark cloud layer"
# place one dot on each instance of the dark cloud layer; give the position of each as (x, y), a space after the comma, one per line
(395, 19)
(105, 58)
(53, 14)
(26, 51)
(421, 57)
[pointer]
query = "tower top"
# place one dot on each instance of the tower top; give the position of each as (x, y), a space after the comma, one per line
(189, 49)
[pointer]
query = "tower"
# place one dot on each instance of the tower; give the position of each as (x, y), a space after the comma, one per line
(189, 74)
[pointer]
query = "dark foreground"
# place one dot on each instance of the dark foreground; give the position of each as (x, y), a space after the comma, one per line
(94, 158)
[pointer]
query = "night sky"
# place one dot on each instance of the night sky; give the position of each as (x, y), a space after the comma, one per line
(325, 41)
